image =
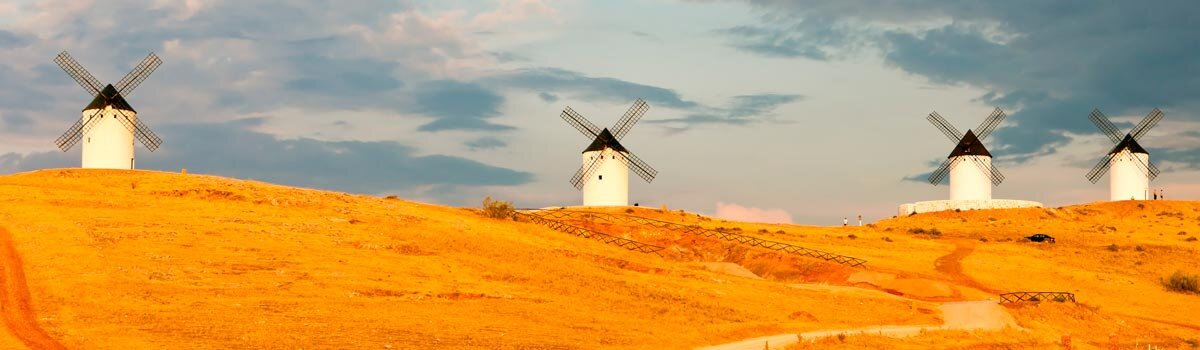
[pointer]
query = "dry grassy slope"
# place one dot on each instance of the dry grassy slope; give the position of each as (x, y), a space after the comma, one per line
(135, 259)
(1118, 290)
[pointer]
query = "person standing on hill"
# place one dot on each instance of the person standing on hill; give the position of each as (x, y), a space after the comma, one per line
(1155, 194)
(859, 219)
(845, 222)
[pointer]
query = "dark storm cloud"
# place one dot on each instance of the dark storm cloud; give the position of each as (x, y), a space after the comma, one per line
(1187, 158)
(458, 106)
(593, 88)
(232, 149)
(1048, 63)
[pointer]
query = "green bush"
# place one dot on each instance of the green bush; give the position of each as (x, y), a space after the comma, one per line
(497, 209)
(1183, 283)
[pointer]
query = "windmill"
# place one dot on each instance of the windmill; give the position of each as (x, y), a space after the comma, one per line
(1131, 169)
(108, 125)
(604, 175)
(969, 164)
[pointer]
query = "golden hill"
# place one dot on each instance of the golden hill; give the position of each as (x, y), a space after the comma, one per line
(136, 259)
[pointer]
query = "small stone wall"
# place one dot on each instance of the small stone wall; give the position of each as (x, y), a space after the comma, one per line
(943, 205)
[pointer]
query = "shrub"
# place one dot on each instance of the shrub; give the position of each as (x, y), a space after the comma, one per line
(1183, 283)
(1192, 239)
(497, 209)
(983, 239)
(629, 211)
(781, 232)
(852, 236)
(887, 239)
(763, 230)
(933, 232)
(1113, 248)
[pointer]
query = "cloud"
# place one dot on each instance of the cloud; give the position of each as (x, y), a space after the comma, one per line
(736, 212)
(485, 143)
(511, 11)
(592, 88)
(742, 110)
(548, 97)
(232, 149)
(1117, 57)
(458, 106)
(9, 39)
(807, 39)
(13, 122)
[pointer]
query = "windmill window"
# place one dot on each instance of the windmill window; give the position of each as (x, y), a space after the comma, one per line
(601, 177)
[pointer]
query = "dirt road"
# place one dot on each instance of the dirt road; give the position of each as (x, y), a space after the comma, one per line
(15, 305)
(951, 264)
(965, 315)
(959, 316)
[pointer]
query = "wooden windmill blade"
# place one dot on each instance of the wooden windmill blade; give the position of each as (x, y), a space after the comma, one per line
(936, 177)
(1146, 124)
(75, 133)
(580, 123)
(990, 123)
(1100, 168)
(990, 171)
(585, 172)
(630, 118)
(140, 131)
(1106, 127)
(944, 126)
(640, 167)
(76, 71)
(139, 74)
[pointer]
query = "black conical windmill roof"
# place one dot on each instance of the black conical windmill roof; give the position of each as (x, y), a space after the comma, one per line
(970, 146)
(109, 97)
(605, 140)
(1130, 143)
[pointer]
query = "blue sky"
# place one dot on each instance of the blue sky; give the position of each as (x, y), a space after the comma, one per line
(800, 110)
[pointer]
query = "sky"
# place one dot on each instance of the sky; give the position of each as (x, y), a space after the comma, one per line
(782, 111)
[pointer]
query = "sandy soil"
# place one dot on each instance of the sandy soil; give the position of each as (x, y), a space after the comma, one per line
(136, 259)
(16, 307)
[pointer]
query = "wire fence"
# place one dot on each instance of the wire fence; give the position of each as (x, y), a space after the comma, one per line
(699, 231)
(1014, 297)
(592, 234)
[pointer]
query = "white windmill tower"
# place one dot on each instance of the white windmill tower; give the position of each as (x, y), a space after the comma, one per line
(1128, 163)
(604, 175)
(968, 182)
(108, 125)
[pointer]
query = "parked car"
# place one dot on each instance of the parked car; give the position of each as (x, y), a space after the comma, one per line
(1041, 237)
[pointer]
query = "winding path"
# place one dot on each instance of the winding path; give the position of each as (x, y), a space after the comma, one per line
(951, 264)
(963, 315)
(16, 306)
